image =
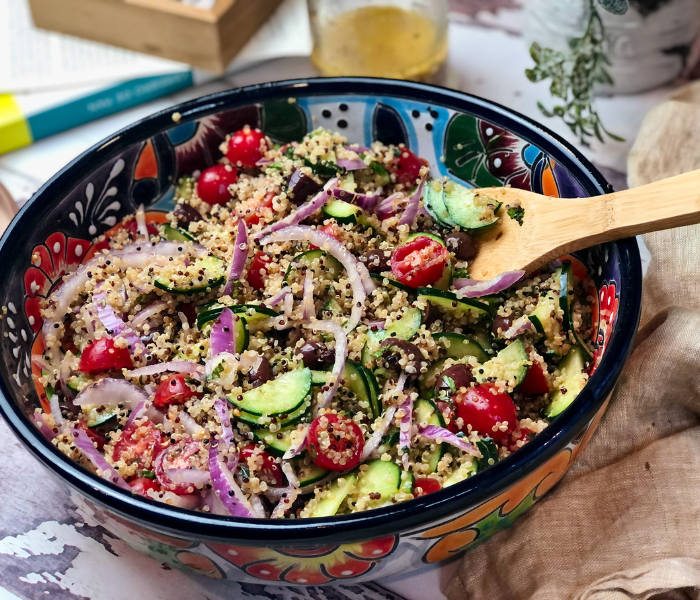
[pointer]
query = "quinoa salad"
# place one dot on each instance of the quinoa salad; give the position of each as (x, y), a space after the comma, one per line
(301, 337)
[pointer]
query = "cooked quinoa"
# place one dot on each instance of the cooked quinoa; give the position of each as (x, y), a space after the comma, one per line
(301, 337)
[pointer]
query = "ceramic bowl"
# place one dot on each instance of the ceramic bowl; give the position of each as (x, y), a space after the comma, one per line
(463, 137)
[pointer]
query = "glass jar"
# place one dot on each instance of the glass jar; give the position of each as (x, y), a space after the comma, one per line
(399, 39)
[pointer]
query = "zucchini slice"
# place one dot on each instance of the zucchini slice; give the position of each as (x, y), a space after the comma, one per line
(509, 365)
(343, 212)
(467, 208)
(459, 346)
(77, 382)
(334, 496)
(432, 236)
(175, 234)
(214, 275)
(544, 317)
(100, 414)
(308, 473)
(426, 412)
(381, 477)
(251, 312)
(403, 329)
(407, 481)
(281, 396)
(445, 280)
(572, 368)
(428, 379)
(434, 202)
(314, 260)
(449, 302)
(278, 442)
(357, 383)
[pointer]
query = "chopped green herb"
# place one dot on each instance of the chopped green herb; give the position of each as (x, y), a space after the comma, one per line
(517, 213)
(489, 452)
(451, 382)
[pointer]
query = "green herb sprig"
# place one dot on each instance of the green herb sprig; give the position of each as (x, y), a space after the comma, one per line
(573, 76)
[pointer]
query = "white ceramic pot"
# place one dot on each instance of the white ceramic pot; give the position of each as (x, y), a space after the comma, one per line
(646, 50)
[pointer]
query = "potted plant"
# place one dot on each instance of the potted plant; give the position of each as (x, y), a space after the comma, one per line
(586, 47)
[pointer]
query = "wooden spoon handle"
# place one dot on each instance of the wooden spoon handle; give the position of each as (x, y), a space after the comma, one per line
(668, 203)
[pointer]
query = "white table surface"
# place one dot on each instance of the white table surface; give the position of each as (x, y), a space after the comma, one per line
(46, 549)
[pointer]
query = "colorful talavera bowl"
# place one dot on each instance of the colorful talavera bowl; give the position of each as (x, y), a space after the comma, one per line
(466, 138)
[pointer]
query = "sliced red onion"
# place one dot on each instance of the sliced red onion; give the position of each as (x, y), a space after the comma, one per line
(292, 478)
(147, 313)
(351, 164)
(114, 325)
(390, 205)
(364, 201)
(298, 442)
(138, 412)
(46, 431)
(358, 274)
(518, 327)
(174, 366)
(258, 508)
(83, 442)
(440, 434)
(288, 497)
(473, 288)
(341, 354)
(288, 306)
(411, 211)
(359, 149)
(423, 212)
(223, 333)
(405, 429)
(191, 426)
(264, 161)
(308, 297)
(221, 407)
(56, 410)
(303, 212)
(240, 255)
(375, 439)
(141, 223)
(225, 486)
(155, 415)
(196, 477)
(278, 298)
(111, 391)
(215, 506)
(39, 361)
(379, 324)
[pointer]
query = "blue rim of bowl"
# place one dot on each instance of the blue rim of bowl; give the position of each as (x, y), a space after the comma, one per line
(418, 514)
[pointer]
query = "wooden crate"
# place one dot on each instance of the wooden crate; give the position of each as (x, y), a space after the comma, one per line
(207, 39)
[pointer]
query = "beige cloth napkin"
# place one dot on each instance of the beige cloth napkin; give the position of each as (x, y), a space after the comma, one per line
(624, 523)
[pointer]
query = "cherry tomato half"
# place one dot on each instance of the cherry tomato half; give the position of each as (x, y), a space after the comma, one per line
(535, 381)
(419, 262)
(246, 147)
(266, 469)
(96, 437)
(423, 486)
(174, 390)
(482, 407)
(186, 455)
(407, 167)
(141, 485)
(212, 185)
(102, 355)
(335, 442)
(140, 444)
(257, 272)
(259, 211)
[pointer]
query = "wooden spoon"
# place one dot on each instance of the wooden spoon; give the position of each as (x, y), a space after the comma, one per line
(553, 227)
(8, 208)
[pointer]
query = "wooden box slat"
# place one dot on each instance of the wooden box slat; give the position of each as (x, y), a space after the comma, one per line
(207, 39)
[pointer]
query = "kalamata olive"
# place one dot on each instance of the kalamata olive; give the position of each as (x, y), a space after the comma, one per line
(502, 323)
(461, 376)
(461, 245)
(185, 215)
(300, 187)
(315, 354)
(377, 261)
(430, 314)
(262, 374)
